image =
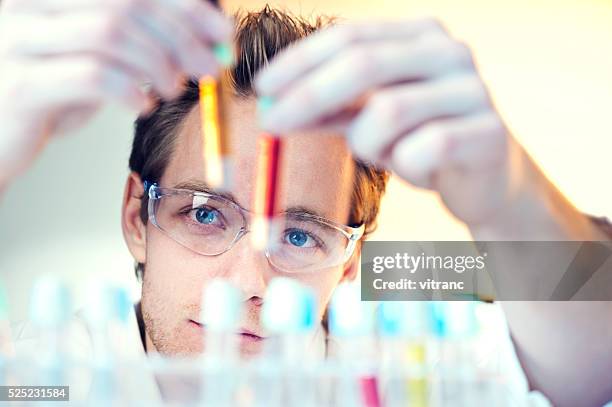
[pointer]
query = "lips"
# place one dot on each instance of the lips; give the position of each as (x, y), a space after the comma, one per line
(250, 336)
(245, 334)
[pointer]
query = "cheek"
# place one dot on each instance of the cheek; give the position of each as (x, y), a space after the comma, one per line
(174, 273)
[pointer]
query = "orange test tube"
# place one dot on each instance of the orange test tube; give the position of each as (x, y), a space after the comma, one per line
(215, 142)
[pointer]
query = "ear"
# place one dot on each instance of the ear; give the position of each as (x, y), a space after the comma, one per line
(351, 268)
(134, 230)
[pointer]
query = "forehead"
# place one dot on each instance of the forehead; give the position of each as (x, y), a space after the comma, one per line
(317, 169)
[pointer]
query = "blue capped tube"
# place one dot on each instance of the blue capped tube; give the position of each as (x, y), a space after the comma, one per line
(220, 316)
(286, 370)
(351, 324)
(455, 329)
(50, 311)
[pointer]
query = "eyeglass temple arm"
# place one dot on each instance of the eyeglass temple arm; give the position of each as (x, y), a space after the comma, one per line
(353, 239)
(149, 189)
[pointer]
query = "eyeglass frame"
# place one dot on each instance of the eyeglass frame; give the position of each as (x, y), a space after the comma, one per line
(154, 192)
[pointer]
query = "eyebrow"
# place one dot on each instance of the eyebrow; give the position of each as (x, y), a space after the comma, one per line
(305, 211)
(201, 186)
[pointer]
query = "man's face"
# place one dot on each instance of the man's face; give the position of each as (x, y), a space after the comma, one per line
(317, 175)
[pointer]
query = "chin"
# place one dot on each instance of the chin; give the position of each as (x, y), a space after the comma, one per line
(250, 349)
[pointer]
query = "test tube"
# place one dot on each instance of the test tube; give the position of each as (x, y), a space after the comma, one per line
(215, 141)
(351, 323)
(107, 309)
(289, 315)
(215, 136)
(417, 330)
(107, 305)
(265, 225)
(403, 329)
(455, 328)
(50, 312)
(220, 316)
(393, 365)
(289, 312)
(7, 347)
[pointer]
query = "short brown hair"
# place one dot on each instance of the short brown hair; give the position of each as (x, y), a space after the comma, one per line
(259, 36)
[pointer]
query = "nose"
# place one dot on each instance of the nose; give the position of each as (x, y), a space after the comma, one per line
(249, 270)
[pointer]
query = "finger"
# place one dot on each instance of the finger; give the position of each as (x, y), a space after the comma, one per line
(363, 68)
(104, 82)
(52, 6)
(203, 18)
(334, 125)
(74, 81)
(75, 117)
(163, 74)
(64, 89)
(318, 48)
(193, 55)
(163, 22)
(339, 122)
(400, 109)
(200, 17)
(100, 37)
(474, 142)
(57, 106)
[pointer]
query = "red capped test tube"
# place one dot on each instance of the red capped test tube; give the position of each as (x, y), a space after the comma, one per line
(265, 223)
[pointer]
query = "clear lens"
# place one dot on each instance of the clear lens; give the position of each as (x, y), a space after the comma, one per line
(305, 244)
(209, 225)
(206, 225)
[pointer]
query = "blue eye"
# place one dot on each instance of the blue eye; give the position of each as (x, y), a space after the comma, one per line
(206, 216)
(297, 238)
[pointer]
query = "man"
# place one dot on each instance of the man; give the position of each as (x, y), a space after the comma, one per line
(318, 187)
(409, 98)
